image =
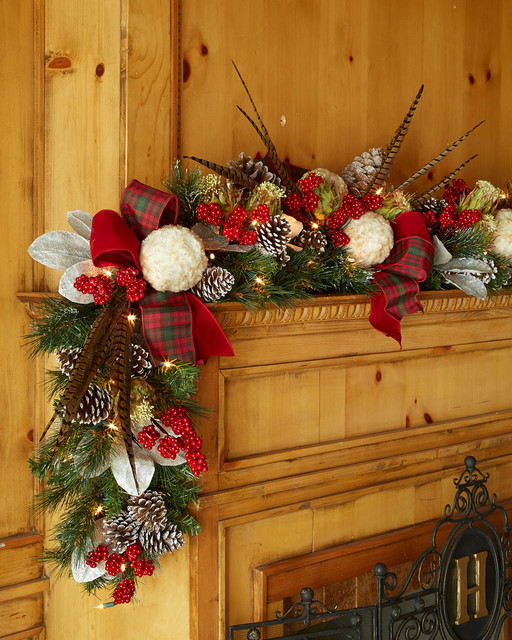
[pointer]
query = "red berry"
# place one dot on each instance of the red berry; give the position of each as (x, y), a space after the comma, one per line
(448, 216)
(113, 564)
(148, 436)
(168, 447)
(232, 232)
(467, 218)
(248, 237)
(260, 214)
(237, 217)
(340, 238)
(353, 207)
(99, 286)
(133, 551)
(430, 218)
(372, 202)
(124, 591)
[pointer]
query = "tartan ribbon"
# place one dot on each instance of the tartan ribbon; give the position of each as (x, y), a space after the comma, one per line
(175, 325)
(397, 278)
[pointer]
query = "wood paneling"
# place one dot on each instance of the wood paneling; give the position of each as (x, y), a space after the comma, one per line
(343, 74)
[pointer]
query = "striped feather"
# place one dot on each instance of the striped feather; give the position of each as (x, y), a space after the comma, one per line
(426, 194)
(394, 145)
(438, 158)
(124, 382)
(230, 173)
(281, 169)
(90, 360)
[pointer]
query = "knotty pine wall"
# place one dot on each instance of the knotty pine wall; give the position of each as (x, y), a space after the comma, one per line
(91, 98)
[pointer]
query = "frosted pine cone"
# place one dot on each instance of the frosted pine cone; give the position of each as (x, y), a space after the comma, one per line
(433, 204)
(255, 169)
(121, 532)
(282, 259)
(149, 511)
(67, 359)
(360, 173)
(95, 406)
(273, 236)
(141, 361)
(312, 239)
(214, 285)
(157, 542)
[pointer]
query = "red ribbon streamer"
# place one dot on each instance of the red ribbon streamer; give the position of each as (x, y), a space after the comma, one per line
(397, 278)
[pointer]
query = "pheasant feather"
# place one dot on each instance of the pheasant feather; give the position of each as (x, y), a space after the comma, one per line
(394, 145)
(124, 373)
(438, 158)
(230, 173)
(281, 168)
(426, 194)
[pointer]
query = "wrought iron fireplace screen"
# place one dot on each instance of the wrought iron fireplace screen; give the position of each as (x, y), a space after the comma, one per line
(460, 590)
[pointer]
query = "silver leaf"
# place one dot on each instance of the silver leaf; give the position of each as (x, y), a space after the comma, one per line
(60, 249)
(441, 253)
(215, 242)
(67, 281)
(81, 571)
(469, 284)
(466, 264)
(81, 222)
(120, 465)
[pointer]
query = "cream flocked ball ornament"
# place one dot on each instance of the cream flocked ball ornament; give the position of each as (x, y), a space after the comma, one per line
(502, 243)
(172, 259)
(371, 239)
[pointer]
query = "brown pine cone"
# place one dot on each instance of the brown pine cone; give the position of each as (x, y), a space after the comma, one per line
(121, 532)
(141, 361)
(149, 511)
(255, 169)
(165, 541)
(273, 236)
(95, 406)
(215, 283)
(67, 359)
(359, 174)
(312, 239)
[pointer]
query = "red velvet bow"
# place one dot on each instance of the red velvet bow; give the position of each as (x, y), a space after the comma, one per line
(175, 325)
(409, 263)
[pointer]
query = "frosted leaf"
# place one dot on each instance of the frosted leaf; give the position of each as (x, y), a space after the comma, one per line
(120, 465)
(81, 222)
(60, 249)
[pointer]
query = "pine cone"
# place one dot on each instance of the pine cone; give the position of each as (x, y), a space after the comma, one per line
(149, 511)
(433, 204)
(273, 235)
(282, 259)
(257, 170)
(141, 361)
(121, 532)
(158, 542)
(95, 406)
(215, 283)
(312, 239)
(360, 173)
(67, 359)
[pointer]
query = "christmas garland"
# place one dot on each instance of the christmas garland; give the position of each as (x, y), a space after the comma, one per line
(121, 456)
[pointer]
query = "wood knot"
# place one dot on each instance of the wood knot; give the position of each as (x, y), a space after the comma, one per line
(471, 78)
(428, 418)
(100, 70)
(378, 376)
(186, 70)
(204, 50)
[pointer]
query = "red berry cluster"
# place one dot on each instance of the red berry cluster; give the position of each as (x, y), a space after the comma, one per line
(211, 213)
(148, 436)
(133, 551)
(124, 591)
(456, 191)
(448, 218)
(135, 285)
(309, 198)
(260, 214)
(96, 556)
(352, 208)
(99, 286)
(114, 563)
(236, 227)
(144, 568)
(168, 447)
(188, 441)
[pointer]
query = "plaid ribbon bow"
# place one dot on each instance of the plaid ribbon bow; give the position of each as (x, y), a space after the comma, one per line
(397, 278)
(175, 325)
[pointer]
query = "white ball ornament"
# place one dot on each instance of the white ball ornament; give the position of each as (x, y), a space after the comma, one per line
(371, 239)
(172, 258)
(502, 244)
